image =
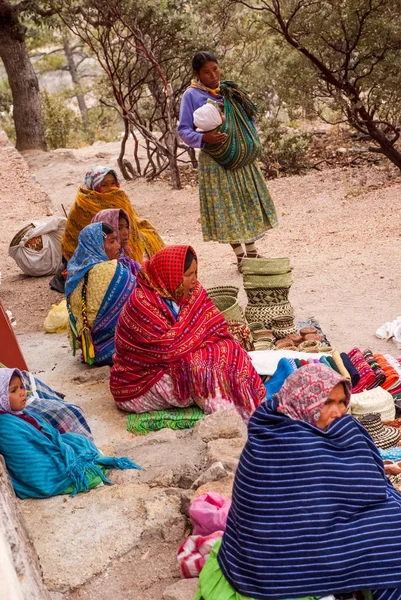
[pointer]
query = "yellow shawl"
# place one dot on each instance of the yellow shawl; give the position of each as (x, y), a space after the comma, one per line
(88, 203)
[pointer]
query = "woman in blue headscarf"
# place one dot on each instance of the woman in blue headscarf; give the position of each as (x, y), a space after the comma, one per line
(98, 284)
(42, 462)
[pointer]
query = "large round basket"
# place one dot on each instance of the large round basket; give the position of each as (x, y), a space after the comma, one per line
(229, 307)
(223, 290)
(265, 266)
(265, 313)
(267, 281)
(267, 296)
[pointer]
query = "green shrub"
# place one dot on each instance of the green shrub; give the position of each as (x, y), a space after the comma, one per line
(283, 149)
(60, 121)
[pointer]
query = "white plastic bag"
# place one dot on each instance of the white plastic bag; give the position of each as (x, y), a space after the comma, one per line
(46, 261)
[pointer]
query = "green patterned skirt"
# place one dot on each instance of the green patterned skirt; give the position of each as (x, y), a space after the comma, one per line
(235, 205)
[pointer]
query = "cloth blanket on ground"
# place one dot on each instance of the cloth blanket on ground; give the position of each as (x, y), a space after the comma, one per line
(43, 463)
(175, 418)
(49, 405)
(196, 350)
(312, 512)
(143, 238)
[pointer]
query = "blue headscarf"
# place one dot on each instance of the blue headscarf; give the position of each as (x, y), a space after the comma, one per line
(89, 252)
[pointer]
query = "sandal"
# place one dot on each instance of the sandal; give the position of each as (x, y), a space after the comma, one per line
(254, 255)
(240, 258)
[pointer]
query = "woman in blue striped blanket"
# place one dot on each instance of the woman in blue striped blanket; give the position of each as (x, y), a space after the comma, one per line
(98, 284)
(312, 513)
(40, 460)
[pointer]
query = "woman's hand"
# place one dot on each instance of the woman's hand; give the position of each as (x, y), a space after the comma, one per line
(214, 137)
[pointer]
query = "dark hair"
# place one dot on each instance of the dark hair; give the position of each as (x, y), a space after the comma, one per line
(123, 215)
(106, 228)
(201, 58)
(189, 258)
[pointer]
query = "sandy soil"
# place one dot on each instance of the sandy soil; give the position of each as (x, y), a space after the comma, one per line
(341, 229)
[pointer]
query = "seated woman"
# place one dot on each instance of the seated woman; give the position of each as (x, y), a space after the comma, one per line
(173, 348)
(312, 512)
(101, 191)
(97, 287)
(118, 219)
(42, 462)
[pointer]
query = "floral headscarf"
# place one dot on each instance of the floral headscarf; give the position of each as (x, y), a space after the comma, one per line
(111, 216)
(95, 176)
(5, 378)
(306, 390)
(165, 271)
(89, 252)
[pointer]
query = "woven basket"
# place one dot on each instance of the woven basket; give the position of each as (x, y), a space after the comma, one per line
(265, 314)
(265, 266)
(284, 332)
(229, 307)
(223, 290)
(18, 237)
(255, 326)
(263, 345)
(257, 282)
(283, 322)
(268, 296)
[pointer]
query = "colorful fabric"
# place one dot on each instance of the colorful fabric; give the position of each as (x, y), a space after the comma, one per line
(194, 552)
(348, 364)
(175, 418)
(235, 205)
(275, 383)
(95, 176)
(44, 402)
(196, 350)
(390, 374)
(42, 462)
(144, 237)
(367, 376)
(340, 365)
(242, 146)
(163, 396)
(301, 521)
(89, 252)
(111, 216)
(305, 391)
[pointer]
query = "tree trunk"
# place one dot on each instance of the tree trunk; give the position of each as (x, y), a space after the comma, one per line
(76, 80)
(27, 111)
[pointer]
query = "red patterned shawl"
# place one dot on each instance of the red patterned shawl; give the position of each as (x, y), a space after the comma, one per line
(196, 350)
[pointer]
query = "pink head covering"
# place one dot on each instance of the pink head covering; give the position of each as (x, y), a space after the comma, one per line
(111, 217)
(306, 390)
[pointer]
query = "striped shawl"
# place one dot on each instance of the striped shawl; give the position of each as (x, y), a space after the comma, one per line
(312, 512)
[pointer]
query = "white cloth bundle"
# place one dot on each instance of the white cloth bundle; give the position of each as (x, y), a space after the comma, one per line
(207, 117)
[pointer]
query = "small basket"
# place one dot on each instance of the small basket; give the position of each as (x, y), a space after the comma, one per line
(306, 330)
(255, 326)
(263, 345)
(265, 266)
(283, 322)
(255, 282)
(18, 236)
(284, 332)
(265, 313)
(229, 307)
(309, 346)
(223, 290)
(313, 336)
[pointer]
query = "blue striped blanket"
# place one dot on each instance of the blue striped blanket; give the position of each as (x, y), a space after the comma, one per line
(312, 512)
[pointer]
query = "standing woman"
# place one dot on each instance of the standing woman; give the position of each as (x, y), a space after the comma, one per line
(235, 204)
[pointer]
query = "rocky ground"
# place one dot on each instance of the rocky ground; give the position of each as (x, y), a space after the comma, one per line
(341, 229)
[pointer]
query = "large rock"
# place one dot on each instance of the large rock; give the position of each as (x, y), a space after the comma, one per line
(185, 589)
(215, 472)
(226, 451)
(226, 424)
(224, 487)
(77, 538)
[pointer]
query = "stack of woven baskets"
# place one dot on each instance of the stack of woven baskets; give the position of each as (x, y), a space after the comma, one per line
(225, 299)
(267, 282)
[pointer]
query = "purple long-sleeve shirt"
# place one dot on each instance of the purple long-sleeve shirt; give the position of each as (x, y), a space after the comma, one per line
(192, 99)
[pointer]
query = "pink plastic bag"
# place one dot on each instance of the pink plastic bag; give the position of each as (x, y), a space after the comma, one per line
(209, 512)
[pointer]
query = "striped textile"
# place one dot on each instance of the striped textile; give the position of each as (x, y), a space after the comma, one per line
(312, 512)
(194, 552)
(44, 402)
(46, 465)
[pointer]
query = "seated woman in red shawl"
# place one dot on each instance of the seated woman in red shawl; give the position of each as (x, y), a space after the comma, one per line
(173, 348)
